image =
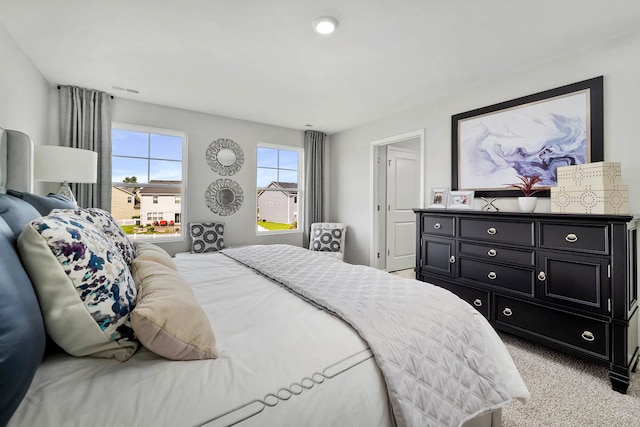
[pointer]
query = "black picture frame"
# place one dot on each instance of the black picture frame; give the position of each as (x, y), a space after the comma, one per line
(547, 158)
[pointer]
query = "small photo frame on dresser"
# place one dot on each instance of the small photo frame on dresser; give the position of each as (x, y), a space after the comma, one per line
(439, 198)
(460, 200)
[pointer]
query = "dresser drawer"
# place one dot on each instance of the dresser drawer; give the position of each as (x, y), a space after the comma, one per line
(580, 332)
(440, 225)
(497, 253)
(475, 297)
(521, 233)
(512, 278)
(582, 238)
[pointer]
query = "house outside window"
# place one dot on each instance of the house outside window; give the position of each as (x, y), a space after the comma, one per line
(150, 165)
(278, 189)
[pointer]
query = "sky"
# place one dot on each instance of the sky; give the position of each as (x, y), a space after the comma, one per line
(148, 156)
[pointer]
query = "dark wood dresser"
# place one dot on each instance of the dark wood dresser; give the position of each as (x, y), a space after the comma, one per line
(564, 280)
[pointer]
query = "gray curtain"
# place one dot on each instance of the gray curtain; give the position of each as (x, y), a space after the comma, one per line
(85, 122)
(314, 181)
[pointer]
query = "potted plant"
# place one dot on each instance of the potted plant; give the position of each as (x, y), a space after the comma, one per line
(527, 203)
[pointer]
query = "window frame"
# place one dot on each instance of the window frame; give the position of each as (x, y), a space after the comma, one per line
(183, 187)
(300, 189)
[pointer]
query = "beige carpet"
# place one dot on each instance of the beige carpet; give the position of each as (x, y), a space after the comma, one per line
(565, 391)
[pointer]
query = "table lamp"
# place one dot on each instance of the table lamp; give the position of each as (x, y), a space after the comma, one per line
(53, 163)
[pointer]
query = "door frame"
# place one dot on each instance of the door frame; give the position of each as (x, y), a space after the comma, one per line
(373, 184)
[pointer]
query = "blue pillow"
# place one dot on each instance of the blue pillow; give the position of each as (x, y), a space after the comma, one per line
(44, 204)
(16, 213)
(22, 333)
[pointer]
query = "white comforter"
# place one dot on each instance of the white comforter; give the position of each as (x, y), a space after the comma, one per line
(271, 344)
(268, 340)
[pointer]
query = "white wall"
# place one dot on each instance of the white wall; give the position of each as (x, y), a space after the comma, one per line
(618, 62)
(24, 95)
(201, 130)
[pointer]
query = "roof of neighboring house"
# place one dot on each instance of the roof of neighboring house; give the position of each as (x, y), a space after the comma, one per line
(124, 190)
(284, 185)
(161, 191)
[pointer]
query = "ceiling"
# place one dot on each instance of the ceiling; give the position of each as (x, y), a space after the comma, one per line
(259, 60)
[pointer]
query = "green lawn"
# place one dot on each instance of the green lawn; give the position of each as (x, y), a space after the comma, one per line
(275, 225)
(128, 229)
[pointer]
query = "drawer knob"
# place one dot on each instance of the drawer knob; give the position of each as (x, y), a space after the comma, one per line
(478, 302)
(507, 311)
(437, 226)
(492, 252)
(588, 336)
(492, 231)
(452, 259)
(571, 238)
(492, 275)
(542, 276)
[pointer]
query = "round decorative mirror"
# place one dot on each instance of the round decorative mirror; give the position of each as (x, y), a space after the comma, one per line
(224, 197)
(224, 157)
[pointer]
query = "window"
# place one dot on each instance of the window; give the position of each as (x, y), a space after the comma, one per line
(278, 188)
(151, 164)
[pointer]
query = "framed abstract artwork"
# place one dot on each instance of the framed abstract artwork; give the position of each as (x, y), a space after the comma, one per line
(532, 135)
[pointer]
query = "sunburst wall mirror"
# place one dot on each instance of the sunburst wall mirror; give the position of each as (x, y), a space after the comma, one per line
(224, 157)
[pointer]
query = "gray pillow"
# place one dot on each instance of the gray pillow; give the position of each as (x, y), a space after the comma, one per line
(44, 204)
(16, 213)
(22, 333)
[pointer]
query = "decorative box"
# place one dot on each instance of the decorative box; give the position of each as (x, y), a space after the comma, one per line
(598, 175)
(588, 199)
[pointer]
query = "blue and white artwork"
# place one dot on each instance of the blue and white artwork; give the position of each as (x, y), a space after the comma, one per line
(531, 139)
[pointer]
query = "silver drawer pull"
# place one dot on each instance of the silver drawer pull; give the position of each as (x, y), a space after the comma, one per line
(492, 275)
(452, 259)
(571, 238)
(507, 312)
(437, 226)
(477, 302)
(542, 276)
(492, 231)
(492, 252)
(588, 336)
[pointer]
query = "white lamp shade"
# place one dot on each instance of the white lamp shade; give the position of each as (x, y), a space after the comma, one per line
(64, 164)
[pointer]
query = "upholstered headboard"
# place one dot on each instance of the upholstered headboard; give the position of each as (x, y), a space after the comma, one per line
(16, 161)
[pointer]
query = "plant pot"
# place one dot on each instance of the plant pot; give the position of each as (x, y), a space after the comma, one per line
(527, 204)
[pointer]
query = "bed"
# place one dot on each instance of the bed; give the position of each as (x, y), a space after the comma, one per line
(290, 348)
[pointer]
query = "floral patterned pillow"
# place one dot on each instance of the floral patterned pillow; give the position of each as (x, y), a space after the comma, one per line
(109, 226)
(84, 286)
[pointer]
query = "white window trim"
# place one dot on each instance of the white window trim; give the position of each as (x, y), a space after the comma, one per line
(185, 167)
(301, 187)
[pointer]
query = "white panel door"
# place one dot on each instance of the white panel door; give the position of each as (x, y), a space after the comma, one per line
(403, 187)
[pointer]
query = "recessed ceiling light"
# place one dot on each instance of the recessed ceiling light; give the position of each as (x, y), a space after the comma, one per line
(325, 25)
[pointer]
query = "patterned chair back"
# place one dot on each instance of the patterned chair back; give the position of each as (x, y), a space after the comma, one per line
(328, 238)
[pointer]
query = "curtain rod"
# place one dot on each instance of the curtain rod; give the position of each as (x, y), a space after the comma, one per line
(59, 89)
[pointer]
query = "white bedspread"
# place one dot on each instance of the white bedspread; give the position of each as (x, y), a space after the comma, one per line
(427, 342)
(268, 340)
